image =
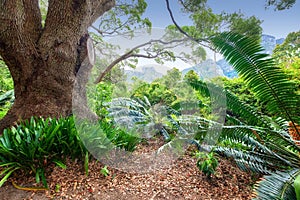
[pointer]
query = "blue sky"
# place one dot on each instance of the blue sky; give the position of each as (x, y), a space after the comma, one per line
(276, 23)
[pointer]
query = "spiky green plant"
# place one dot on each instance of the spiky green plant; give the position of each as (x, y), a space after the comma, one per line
(34, 144)
(140, 115)
(260, 143)
(260, 73)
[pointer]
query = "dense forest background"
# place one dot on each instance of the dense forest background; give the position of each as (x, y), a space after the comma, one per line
(81, 97)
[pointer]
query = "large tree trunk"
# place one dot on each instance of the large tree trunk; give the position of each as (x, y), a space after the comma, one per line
(44, 61)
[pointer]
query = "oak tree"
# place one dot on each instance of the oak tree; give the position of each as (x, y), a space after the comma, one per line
(44, 53)
(44, 60)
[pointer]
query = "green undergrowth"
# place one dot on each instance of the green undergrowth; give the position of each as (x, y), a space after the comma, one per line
(34, 144)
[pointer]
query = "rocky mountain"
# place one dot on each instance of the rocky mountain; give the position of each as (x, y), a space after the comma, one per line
(268, 42)
(147, 73)
(206, 70)
(227, 69)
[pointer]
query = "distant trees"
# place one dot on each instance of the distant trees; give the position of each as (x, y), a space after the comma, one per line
(287, 55)
(281, 4)
(289, 49)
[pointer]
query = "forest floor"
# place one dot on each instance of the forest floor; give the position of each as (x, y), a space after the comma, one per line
(182, 180)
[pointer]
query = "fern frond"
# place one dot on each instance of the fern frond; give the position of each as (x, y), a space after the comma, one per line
(239, 142)
(278, 186)
(243, 112)
(246, 161)
(268, 81)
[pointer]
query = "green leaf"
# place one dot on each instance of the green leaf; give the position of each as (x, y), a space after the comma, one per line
(6, 139)
(37, 176)
(7, 176)
(44, 179)
(104, 171)
(268, 81)
(60, 164)
(278, 185)
(86, 163)
(297, 186)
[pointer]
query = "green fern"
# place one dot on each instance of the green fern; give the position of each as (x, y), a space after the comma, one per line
(135, 114)
(259, 143)
(278, 186)
(261, 74)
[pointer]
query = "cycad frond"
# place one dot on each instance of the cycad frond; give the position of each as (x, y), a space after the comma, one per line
(278, 185)
(143, 117)
(247, 161)
(265, 136)
(245, 114)
(7, 96)
(251, 155)
(260, 73)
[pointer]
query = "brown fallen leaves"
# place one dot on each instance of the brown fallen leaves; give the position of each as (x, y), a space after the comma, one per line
(182, 180)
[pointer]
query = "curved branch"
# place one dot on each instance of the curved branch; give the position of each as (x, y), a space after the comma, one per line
(131, 53)
(109, 67)
(198, 40)
(178, 27)
(99, 7)
(124, 57)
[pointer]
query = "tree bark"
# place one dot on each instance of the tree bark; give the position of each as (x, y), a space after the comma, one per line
(44, 61)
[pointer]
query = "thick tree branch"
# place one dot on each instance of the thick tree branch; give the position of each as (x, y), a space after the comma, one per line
(68, 20)
(33, 19)
(20, 29)
(23, 17)
(99, 7)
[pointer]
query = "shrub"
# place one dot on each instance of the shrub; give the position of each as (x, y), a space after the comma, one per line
(207, 163)
(120, 137)
(32, 145)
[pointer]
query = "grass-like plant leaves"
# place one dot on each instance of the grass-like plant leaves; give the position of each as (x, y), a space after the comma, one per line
(32, 145)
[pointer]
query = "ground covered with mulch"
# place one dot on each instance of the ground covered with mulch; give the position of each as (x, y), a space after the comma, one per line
(182, 180)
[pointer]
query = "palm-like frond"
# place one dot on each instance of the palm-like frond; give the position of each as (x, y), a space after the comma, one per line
(254, 138)
(127, 112)
(238, 111)
(264, 136)
(247, 161)
(7, 96)
(260, 73)
(278, 185)
(270, 147)
(245, 145)
(141, 116)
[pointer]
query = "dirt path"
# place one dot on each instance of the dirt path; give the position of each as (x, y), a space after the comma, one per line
(183, 180)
